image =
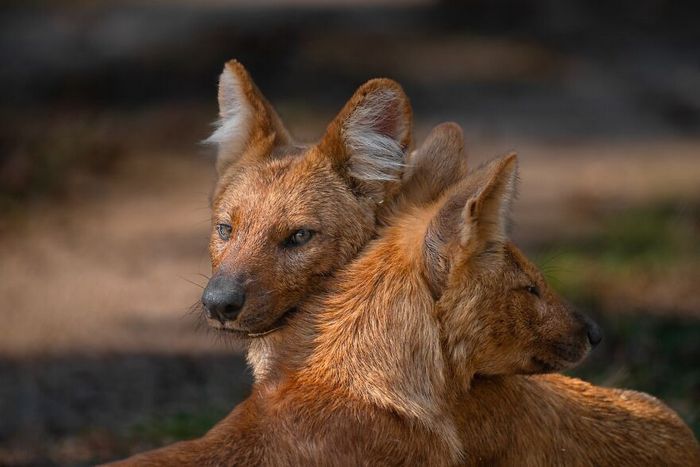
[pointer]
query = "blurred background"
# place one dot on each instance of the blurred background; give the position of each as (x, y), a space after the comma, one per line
(104, 187)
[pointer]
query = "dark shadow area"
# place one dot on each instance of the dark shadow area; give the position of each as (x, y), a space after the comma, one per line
(84, 409)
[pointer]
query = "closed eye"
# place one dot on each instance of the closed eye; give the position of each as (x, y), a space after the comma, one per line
(533, 290)
(298, 238)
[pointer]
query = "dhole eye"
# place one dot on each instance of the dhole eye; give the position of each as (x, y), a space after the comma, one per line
(534, 290)
(224, 231)
(298, 238)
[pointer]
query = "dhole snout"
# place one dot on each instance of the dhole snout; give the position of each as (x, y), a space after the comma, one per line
(223, 298)
(564, 342)
(593, 331)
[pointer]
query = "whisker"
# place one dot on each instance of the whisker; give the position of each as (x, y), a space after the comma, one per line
(191, 282)
(551, 256)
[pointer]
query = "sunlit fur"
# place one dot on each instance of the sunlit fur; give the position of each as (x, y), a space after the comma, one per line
(380, 367)
(378, 370)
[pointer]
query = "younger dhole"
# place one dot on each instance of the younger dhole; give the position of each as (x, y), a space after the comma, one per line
(498, 318)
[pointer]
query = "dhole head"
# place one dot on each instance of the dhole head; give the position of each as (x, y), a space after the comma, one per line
(285, 215)
(497, 312)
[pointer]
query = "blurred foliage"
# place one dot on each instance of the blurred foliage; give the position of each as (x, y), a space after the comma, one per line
(647, 241)
(653, 354)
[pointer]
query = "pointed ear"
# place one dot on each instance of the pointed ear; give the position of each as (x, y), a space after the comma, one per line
(245, 118)
(486, 214)
(436, 165)
(368, 139)
(473, 217)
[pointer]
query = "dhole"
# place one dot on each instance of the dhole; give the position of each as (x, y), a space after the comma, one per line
(362, 376)
(498, 318)
(287, 215)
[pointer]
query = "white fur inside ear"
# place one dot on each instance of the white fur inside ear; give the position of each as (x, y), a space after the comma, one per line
(510, 190)
(372, 133)
(233, 127)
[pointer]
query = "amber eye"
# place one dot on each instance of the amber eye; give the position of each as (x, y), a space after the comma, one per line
(298, 238)
(534, 290)
(224, 231)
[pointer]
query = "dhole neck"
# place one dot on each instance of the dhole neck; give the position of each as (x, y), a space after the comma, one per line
(378, 342)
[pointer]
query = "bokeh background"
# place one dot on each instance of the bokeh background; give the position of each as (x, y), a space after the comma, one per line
(104, 187)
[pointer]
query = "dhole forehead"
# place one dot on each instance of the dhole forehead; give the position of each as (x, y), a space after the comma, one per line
(519, 260)
(291, 188)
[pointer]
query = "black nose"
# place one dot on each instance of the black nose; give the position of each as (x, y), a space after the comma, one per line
(595, 335)
(223, 298)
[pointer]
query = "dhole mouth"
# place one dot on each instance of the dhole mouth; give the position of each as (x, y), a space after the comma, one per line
(565, 358)
(276, 326)
(544, 365)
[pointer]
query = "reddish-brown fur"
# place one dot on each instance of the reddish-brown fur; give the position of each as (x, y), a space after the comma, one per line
(493, 328)
(346, 390)
(367, 374)
(410, 355)
(556, 420)
(377, 373)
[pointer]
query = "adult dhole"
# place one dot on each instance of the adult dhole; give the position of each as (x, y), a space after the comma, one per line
(286, 215)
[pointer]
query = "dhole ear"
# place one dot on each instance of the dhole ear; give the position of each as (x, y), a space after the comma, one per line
(245, 117)
(486, 214)
(368, 139)
(436, 165)
(473, 216)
